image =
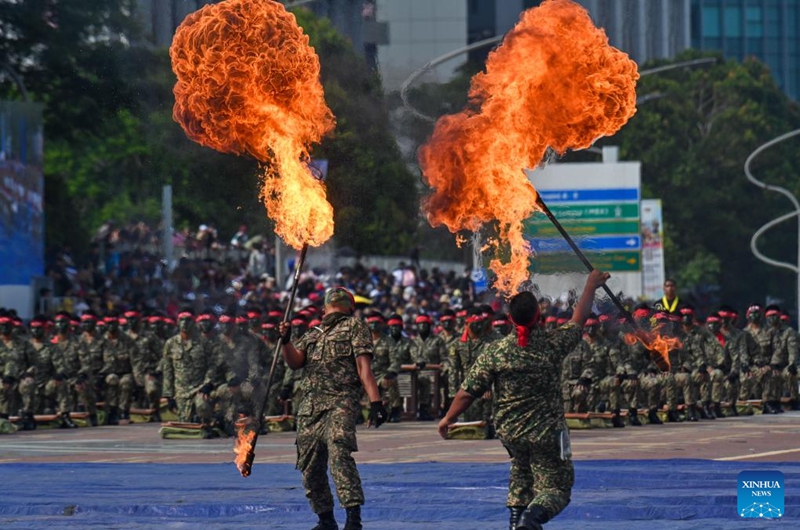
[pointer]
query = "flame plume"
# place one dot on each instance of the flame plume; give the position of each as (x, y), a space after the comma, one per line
(554, 82)
(658, 345)
(248, 82)
(242, 447)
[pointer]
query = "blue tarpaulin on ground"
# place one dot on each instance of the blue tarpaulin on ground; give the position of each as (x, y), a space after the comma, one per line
(627, 495)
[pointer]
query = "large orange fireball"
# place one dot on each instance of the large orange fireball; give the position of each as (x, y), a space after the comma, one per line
(248, 82)
(554, 82)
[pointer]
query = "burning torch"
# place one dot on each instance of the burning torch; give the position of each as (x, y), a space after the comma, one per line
(246, 443)
(651, 341)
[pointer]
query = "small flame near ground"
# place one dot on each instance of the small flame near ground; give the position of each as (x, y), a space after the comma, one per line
(554, 82)
(248, 82)
(243, 446)
(658, 345)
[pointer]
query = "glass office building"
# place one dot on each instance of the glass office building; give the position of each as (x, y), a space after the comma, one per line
(767, 29)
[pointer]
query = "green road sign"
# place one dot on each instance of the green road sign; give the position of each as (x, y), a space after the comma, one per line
(629, 261)
(583, 228)
(566, 212)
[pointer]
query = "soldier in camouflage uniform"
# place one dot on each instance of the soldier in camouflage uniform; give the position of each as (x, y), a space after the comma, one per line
(28, 386)
(604, 368)
(523, 373)
(67, 366)
(292, 389)
(635, 362)
(760, 383)
(43, 370)
(447, 321)
(91, 384)
(576, 379)
(270, 337)
(400, 348)
(239, 354)
(428, 349)
(462, 356)
(336, 359)
(189, 368)
(146, 364)
(717, 362)
(118, 371)
(12, 367)
(382, 364)
(784, 359)
(669, 391)
(740, 348)
(651, 379)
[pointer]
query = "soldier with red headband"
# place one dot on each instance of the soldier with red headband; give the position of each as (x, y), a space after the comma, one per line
(784, 359)
(118, 370)
(400, 348)
(462, 355)
(760, 385)
(67, 366)
(428, 349)
(91, 381)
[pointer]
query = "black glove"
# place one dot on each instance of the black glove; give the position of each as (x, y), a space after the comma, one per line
(792, 369)
(8, 380)
(421, 366)
(171, 405)
(206, 389)
(377, 414)
(585, 381)
(287, 336)
(390, 375)
(745, 368)
(286, 393)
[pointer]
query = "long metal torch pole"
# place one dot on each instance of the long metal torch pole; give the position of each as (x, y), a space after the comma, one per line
(540, 202)
(247, 466)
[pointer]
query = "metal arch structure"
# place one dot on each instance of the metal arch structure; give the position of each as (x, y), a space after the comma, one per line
(794, 267)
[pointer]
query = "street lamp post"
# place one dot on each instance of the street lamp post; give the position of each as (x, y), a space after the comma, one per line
(794, 267)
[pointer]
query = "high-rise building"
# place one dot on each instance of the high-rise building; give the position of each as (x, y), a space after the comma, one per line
(767, 29)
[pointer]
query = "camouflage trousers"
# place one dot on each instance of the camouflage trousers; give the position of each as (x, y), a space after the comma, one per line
(60, 393)
(683, 387)
(606, 390)
(710, 386)
(575, 396)
(328, 438)
(85, 395)
(189, 406)
(538, 475)
(9, 402)
(669, 391)
(652, 385)
(119, 391)
(733, 388)
(148, 390)
(389, 390)
(757, 384)
(424, 385)
(27, 392)
(631, 391)
(788, 384)
(37, 398)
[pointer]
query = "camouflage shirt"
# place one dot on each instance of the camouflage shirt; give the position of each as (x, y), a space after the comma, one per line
(13, 361)
(147, 360)
(741, 347)
(42, 362)
(90, 353)
(431, 350)
(763, 338)
(462, 356)
(118, 354)
(382, 361)
(65, 357)
(784, 347)
(400, 353)
(330, 376)
(604, 360)
(525, 382)
(188, 365)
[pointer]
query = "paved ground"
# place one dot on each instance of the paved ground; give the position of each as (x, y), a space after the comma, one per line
(760, 438)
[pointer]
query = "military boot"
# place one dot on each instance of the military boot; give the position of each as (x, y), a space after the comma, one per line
(93, 420)
(672, 416)
(532, 518)
(395, 416)
(28, 421)
(795, 404)
(156, 417)
(718, 410)
(633, 417)
(616, 420)
(65, 422)
(709, 412)
(778, 406)
(353, 518)
(691, 413)
(113, 416)
(424, 415)
(326, 522)
(652, 417)
(734, 409)
(516, 513)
